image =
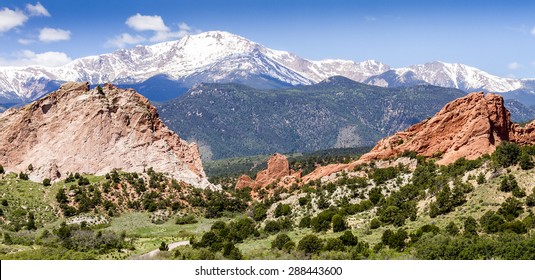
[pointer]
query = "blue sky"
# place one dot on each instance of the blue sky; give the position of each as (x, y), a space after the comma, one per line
(495, 36)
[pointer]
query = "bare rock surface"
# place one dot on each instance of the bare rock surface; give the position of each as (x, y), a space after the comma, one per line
(76, 129)
(467, 127)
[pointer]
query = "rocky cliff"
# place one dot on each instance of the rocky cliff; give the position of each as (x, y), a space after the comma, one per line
(467, 127)
(76, 129)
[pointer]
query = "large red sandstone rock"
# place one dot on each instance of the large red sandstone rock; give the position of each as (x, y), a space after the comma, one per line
(278, 167)
(467, 127)
(278, 171)
(76, 129)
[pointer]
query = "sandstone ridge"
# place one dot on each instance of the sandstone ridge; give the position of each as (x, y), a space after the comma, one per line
(78, 129)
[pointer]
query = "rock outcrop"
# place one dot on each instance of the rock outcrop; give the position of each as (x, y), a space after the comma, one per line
(466, 127)
(76, 129)
(278, 172)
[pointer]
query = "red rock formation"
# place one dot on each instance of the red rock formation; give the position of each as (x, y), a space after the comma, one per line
(278, 171)
(467, 127)
(244, 181)
(76, 129)
(278, 167)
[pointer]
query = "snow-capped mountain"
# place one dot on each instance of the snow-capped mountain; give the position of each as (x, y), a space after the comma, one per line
(214, 56)
(453, 75)
(166, 69)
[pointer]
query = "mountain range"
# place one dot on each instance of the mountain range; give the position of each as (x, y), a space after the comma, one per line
(166, 70)
(232, 120)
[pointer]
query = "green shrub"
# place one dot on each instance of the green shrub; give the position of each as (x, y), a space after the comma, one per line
(348, 239)
(259, 212)
(506, 154)
(280, 241)
(338, 222)
(310, 244)
(305, 222)
(511, 208)
(333, 244)
(23, 176)
(375, 223)
(186, 220)
(46, 182)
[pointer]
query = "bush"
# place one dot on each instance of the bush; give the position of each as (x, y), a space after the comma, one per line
(310, 244)
(375, 195)
(186, 220)
(375, 223)
(470, 227)
(282, 210)
(339, 224)
(481, 179)
(259, 212)
(334, 244)
(280, 241)
(395, 240)
(348, 239)
(530, 200)
(506, 154)
(322, 222)
(525, 160)
(508, 183)
(164, 247)
(305, 222)
(46, 182)
(452, 229)
(511, 208)
(272, 227)
(23, 176)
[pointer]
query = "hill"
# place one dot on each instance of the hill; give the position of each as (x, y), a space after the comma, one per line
(230, 120)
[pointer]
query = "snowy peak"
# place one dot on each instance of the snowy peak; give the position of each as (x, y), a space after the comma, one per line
(463, 77)
(220, 57)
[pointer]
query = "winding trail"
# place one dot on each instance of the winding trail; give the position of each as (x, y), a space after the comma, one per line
(154, 252)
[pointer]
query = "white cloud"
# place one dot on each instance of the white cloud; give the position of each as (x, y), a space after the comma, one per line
(370, 18)
(514, 66)
(27, 57)
(51, 35)
(124, 40)
(25, 41)
(533, 31)
(155, 23)
(10, 19)
(183, 31)
(37, 10)
(146, 23)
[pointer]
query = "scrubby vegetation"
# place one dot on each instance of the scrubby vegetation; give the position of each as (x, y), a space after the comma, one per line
(470, 209)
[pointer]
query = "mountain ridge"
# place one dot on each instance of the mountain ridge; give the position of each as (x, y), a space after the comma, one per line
(222, 57)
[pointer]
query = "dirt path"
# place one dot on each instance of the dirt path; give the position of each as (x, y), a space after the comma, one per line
(153, 253)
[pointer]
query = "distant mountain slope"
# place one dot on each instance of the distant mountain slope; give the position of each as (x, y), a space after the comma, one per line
(230, 120)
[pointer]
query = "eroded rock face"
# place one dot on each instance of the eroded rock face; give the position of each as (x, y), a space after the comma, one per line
(278, 172)
(278, 167)
(467, 127)
(76, 129)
